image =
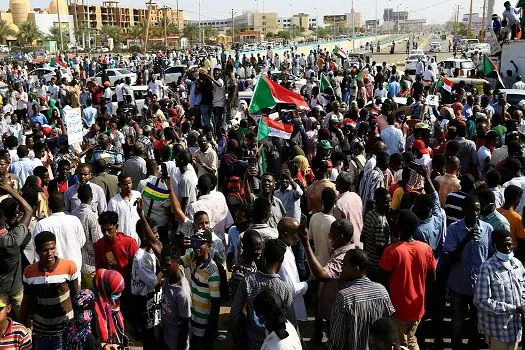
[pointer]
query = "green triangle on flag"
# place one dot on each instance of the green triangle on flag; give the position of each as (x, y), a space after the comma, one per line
(489, 66)
(263, 130)
(53, 62)
(359, 76)
(324, 84)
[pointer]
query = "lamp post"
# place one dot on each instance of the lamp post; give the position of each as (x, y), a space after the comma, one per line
(398, 15)
(353, 26)
(291, 20)
(317, 24)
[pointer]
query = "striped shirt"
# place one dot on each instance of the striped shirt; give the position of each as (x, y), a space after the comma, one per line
(250, 287)
(53, 307)
(375, 237)
(454, 206)
(205, 281)
(16, 337)
(355, 309)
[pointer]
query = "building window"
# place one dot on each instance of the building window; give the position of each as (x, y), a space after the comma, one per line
(264, 23)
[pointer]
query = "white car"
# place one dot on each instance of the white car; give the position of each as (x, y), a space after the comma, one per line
(115, 74)
(513, 96)
(435, 46)
(448, 66)
(416, 52)
(4, 49)
(279, 76)
(172, 74)
(484, 48)
(410, 63)
(101, 49)
(467, 44)
(140, 92)
(45, 74)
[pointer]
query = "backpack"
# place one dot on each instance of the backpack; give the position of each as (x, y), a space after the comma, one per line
(234, 192)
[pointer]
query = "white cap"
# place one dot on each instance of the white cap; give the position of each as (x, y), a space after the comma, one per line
(521, 104)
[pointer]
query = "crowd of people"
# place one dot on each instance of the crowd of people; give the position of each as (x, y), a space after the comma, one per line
(370, 216)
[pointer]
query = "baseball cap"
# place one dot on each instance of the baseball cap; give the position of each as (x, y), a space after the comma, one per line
(420, 146)
(334, 119)
(204, 235)
(521, 104)
(325, 144)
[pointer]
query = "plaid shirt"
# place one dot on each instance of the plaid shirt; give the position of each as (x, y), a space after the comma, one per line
(89, 220)
(499, 290)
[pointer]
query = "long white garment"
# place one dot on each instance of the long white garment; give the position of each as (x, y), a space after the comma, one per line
(69, 234)
(289, 274)
(127, 214)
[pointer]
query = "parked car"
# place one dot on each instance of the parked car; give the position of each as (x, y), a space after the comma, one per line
(513, 96)
(435, 46)
(410, 63)
(4, 49)
(140, 92)
(45, 74)
(115, 74)
(279, 76)
(172, 74)
(416, 52)
(448, 66)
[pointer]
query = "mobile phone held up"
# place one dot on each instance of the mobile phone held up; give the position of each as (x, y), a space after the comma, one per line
(164, 170)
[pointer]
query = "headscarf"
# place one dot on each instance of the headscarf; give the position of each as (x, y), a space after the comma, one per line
(230, 156)
(108, 285)
(298, 151)
(52, 107)
(80, 326)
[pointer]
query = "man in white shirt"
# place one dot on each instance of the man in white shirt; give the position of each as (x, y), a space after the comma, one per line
(24, 166)
(219, 100)
(205, 158)
(71, 200)
(519, 84)
(124, 204)
(53, 90)
(218, 212)
(70, 236)
(187, 186)
(118, 91)
(429, 77)
(288, 233)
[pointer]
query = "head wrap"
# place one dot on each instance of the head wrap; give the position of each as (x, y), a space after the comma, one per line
(80, 326)
(107, 285)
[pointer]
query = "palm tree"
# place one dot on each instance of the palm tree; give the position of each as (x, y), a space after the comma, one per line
(81, 33)
(27, 34)
(54, 34)
(191, 31)
(136, 32)
(114, 33)
(5, 31)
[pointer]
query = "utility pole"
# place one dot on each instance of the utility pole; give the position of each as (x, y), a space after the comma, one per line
(165, 8)
(233, 29)
(148, 16)
(470, 18)
(88, 28)
(200, 33)
(353, 26)
(291, 22)
(60, 28)
(178, 26)
(484, 19)
(317, 24)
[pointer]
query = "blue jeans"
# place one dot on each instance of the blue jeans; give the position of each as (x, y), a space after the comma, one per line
(47, 342)
(218, 119)
(205, 115)
(463, 306)
(346, 95)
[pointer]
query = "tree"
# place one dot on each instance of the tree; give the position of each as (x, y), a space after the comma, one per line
(54, 34)
(5, 31)
(283, 34)
(191, 31)
(136, 32)
(210, 34)
(114, 33)
(27, 34)
(270, 35)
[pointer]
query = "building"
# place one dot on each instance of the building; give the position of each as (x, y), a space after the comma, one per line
(263, 22)
(411, 25)
(112, 14)
(286, 23)
(345, 20)
(44, 19)
(388, 15)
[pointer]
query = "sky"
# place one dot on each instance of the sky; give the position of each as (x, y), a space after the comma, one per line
(435, 12)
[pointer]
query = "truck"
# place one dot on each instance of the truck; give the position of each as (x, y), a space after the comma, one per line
(512, 61)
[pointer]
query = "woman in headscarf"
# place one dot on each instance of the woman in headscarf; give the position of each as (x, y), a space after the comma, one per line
(108, 286)
(53, 113)
(79, 333)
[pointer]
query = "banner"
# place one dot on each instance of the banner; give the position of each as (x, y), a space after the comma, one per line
(490, 38)
(73, 122)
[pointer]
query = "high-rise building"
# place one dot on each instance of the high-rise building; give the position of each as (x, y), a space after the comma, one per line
(345, 20)
(388, 15)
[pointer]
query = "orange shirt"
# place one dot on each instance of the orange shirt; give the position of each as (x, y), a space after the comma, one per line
(516, 227)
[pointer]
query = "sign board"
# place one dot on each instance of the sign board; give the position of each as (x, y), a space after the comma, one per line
(432, 100)
(73, 121)
(492, 39)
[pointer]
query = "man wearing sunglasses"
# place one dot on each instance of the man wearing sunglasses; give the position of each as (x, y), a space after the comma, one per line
(13, 335)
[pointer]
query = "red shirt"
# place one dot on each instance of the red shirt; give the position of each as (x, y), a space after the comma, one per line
(116, 255)
(408, 264)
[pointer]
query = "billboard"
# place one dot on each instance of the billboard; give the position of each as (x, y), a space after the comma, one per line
(334, 18)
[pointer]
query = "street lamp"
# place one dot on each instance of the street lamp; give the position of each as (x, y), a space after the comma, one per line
(398, 15)
(317, 24)
(291, 20)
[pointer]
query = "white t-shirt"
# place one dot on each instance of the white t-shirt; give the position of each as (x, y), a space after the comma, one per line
(219, 97)
(380, 93)
(291, 342)
(319, 228)
(483, 153)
